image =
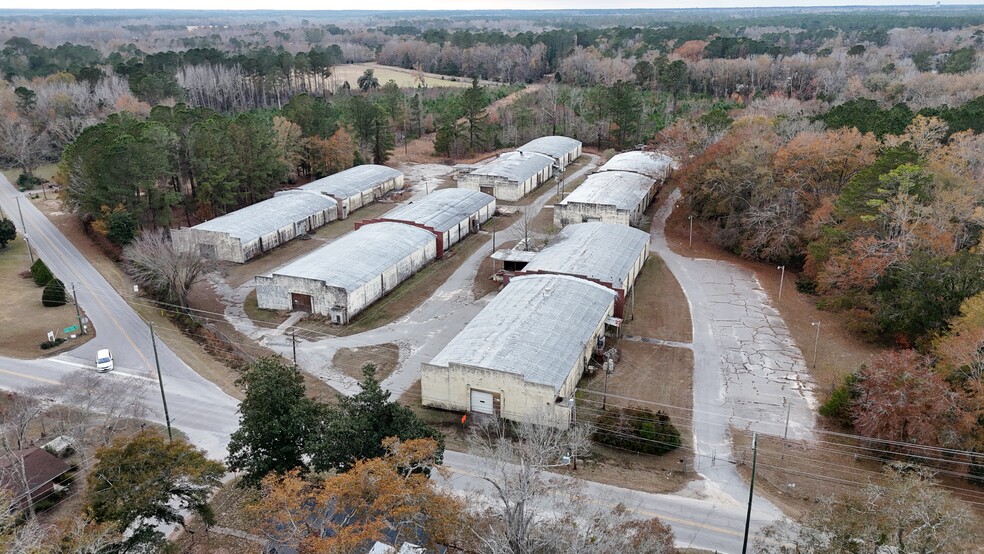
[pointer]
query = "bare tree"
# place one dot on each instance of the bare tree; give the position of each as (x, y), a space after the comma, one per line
(23, 143)
(154, 262)
(18, 417)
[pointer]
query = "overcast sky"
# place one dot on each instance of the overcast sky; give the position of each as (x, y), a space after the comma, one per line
(436, 4)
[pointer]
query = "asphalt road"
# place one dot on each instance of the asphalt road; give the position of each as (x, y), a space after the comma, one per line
(197, 407)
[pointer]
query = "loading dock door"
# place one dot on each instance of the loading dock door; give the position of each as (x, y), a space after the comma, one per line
(481, 402)
(300, 302)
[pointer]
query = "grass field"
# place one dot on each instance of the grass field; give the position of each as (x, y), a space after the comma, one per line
(45, 172)
(403, 77)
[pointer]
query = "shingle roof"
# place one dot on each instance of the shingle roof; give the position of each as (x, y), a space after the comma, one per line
(265, 217)
(350, 182)
(553, 146)
(41, 467)
(622, 189)
(649, 164)
(537, 327)
(360, 256)
(603, 251)
(442, 209)
(515, 166)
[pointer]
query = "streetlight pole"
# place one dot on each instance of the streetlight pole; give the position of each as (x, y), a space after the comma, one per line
(691, 218)
(782, 277)
(816, 345)
(751, 494)
(24, 229)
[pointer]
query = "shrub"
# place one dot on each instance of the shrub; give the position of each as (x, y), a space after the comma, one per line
(52, 343)
(7, 232)
(53, 294)
(637, 430)
(41, 273)
(121, 227)
(838, 406)
(28, 181)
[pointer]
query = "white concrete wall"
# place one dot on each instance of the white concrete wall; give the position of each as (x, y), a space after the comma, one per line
(375, 289)
(575, 212)
(502, 188)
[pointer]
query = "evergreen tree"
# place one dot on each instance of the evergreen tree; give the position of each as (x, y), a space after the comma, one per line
(53, 294)
(473, 103)
(8, 232)
(40, 273)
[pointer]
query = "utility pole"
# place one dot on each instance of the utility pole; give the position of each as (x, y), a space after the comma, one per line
(751, 494)
(24, 229)
(77, 313)
(157, 361)
(816, 345)
(609, 369)
(573, 406)
(691, 218)
(782, 277)
(293, 342)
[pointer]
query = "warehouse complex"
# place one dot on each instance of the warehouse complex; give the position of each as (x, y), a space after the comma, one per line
(511, 176)
(605, 253)
(344, 277)
(523, 354)
(563, 150)
(619, 192)
(450, 214)
(357, 187)
(243, 234)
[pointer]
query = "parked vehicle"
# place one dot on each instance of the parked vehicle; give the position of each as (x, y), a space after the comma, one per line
(104, 360)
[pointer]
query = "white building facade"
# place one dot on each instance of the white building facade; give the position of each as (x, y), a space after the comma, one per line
(511, 176)
(357, 187)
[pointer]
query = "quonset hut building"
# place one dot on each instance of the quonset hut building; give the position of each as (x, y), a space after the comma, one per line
(608, 254)
(342, 278)
(244, 234)
(357, 187)
(511, 176)
(563, 150)
(521, 357)
(450, 214)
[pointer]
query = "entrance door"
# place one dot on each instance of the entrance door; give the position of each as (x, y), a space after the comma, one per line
(481, 402)
(300, 302)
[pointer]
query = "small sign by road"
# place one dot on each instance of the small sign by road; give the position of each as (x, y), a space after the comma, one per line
(70, 329)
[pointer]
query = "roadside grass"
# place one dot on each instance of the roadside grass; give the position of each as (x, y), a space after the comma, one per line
(46, 172)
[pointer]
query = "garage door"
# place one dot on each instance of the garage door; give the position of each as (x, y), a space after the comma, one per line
(301, 302)
(481, 402)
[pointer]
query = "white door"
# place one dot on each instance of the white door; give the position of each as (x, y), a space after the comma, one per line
(481, 402)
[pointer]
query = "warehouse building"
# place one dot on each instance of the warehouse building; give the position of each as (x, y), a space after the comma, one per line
(608, 196)
(522, 356)
(605, 253)
(341, 279)
(450, 214)
(563, 150)
(511, 176)
(243, 234)
(652, 165)
(357, 187)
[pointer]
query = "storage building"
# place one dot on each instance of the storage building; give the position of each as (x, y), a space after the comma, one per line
(521, 357)
(608, 196)
(511, 176)
(652, 165)
(563, 150)
(342, 278)
(246, 233)
(357, 187)
(609, 254)
(448, 213)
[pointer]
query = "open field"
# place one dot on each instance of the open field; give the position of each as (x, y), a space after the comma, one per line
(25, 322)
(403, 77)
(660, 307)
(46, 172)
(350, 360)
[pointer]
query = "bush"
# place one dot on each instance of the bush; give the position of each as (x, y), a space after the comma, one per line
(52, 343)
(838, 406)
(53, 294)
(8, 232)
(41, 273)
(28, 181)
(121, 227)
(637, 430)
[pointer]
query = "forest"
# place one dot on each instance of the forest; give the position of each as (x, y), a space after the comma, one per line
(843, 144)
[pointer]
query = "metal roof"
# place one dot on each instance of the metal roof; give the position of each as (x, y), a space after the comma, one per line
(536, 327)
(284, 209)
(515, 166)
(622, 189)
(360, 256)
(650, 164)
(351, 182)
(553, 146)
(442, 209)
(603, 251)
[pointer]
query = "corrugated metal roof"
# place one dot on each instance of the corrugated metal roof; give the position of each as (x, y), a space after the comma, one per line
(603, 251)
(536, 327)
(442, 209)
(360, 256)
(252, 222)
(515, 166)
(622, 189)
(649, 164)
(353, 181)
(553, 146)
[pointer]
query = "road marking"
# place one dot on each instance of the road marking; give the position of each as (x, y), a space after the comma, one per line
(675, 519)
(31, 377)
(113, 372)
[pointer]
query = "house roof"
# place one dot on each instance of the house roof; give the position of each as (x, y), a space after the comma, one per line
(262, 218)
(442, 209)
(553, 146)
(41, 467)
(622, 189)
(348, 183)
(360, 256)
(515, 166)
(537, 327)
(650, 164)
(602, 251)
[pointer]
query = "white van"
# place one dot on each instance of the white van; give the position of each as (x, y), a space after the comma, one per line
(104, 360)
